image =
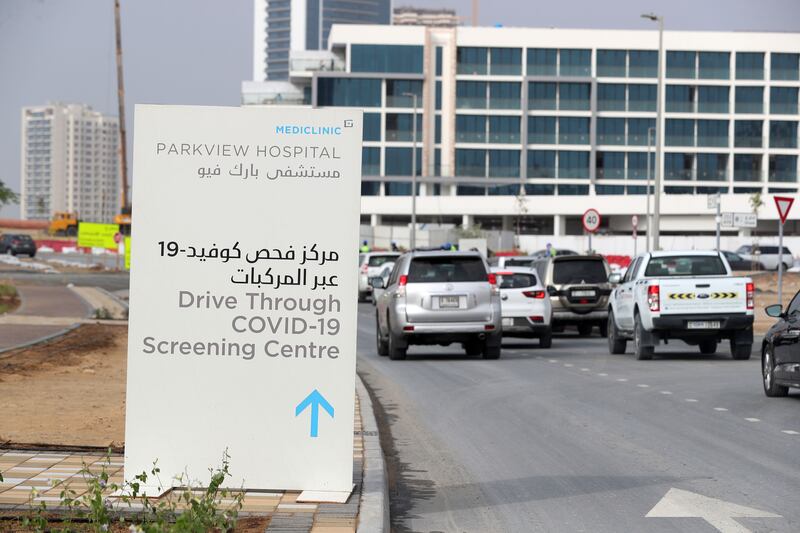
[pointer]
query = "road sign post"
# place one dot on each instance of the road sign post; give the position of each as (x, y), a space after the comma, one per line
(591, 223)
(242, 314)
(783, 204)
(635, 225)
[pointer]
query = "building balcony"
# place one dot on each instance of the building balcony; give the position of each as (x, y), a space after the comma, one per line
(542, 138)
(748, 142)
(504, 138)
(746, 174)
(783, 108)
(573, 138)
(470, 137)
(506, 70)
(712, 141)
(468, 102)
(712, 107)
(471, 68)
(641, 105)
(753, 108)
(542, 103)
(749, 73)
(504, 103)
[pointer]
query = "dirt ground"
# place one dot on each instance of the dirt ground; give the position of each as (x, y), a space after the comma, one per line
(767, 294)
(69, 392)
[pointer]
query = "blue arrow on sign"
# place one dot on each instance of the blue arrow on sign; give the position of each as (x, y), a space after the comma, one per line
(315, 400)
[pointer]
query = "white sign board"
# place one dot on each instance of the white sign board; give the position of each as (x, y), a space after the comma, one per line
(739, 220)
(711, 201)
(242, 299)
(591, 220)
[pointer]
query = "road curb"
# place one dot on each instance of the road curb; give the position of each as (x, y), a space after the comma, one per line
(373, 515)
(41, 340)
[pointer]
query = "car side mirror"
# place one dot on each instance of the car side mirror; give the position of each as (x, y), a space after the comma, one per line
(552, 291)
(376, 282)
(615, 278)
(774, 310)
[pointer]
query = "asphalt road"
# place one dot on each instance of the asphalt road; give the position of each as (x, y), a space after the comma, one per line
(574, 439)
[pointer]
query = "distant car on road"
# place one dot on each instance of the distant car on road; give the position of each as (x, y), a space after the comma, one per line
(578, 288)
(525, 305)
(370, 264)
(780, 350)
(767, 256)
(439, 298)
(17, 244)
(739, 263)
(507, 261)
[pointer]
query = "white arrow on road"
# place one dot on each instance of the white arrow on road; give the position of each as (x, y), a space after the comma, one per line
(678, 503)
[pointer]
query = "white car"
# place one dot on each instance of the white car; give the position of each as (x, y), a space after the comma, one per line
(767, 255)
(689, 296)
(371, 264)
(525, 304)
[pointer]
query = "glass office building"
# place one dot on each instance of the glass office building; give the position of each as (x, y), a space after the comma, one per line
(563, 120)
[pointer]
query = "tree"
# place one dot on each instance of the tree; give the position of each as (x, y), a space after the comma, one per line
(7, 196)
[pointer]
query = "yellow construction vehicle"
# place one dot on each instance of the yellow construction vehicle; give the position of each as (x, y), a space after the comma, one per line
(63, 224)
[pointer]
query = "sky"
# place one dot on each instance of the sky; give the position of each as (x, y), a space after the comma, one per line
(199, 51)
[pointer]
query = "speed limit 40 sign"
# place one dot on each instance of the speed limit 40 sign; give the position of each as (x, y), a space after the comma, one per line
(591, 220)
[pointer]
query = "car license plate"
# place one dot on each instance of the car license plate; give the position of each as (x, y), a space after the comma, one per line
(508, 322)
(583, 293)
(703, 324)
(448, 302)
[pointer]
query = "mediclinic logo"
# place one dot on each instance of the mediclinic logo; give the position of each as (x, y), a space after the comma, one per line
(308, 131)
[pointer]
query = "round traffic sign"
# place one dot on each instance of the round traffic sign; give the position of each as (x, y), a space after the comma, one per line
(118, 237)
(591, 220)
(634, 221)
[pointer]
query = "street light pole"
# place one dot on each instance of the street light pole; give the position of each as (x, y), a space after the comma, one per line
(650, 135)
(658, 140)
(413, 240)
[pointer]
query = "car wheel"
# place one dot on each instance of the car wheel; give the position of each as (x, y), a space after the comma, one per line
(397, 352)
(546, 339)
(741, 352)
(642, 352)
(383, 346)
(603, 327)
(491, 352)
(708, 347)
(584, 330)
(771, 389)
(473, 348)
(616, 344)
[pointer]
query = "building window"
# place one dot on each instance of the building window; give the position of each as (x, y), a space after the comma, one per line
(574, 62)
(439, 55)
(471, 60)
(782, 134)
(471, 128)
(542, 95)
(504, 129)
(678, 166)
(679, 132)
(610, 165)
(611, 63)
(471, 163)
(438, 96)
(541, 164)
(574, 96)
(370, 161)
(783, 100)
(715, 65)
(680, 99)
(471, 94)
(573, 190)
(437, 127)
(398, 162)
(611, 97)
(504, 95)
(712, 133)
(541, 130)
(372, 126)
(747, 167)
(748, 134)
(643, 64)
(611, 131)
(750, 100)
(638, 131)
(504, 164)
(712, 167)
(785, 66)
(348, 92)
(641, 97)
(712, 99)
(749, 66)
(681, 64)
(386, 58)
(506, 61)
(573, 130)
(637, 165)
(542, 61)
(783, 168)
(396, 93)
(573, 164)
(399, 127)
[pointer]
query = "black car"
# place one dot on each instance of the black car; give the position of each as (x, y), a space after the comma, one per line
(780, 351)
(17, 244)
(737, 262)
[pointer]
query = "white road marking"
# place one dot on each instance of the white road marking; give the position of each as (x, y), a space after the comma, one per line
(691, 400)
(602, 374)
(552, 361)
(790, 432)
(678, 503)
(622, 379)
(753, 419)
(720, 409)
(642, 385)
(584, 369)
(568, 365)
(665, 392)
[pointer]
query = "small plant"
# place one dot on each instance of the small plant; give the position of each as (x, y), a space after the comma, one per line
(101, 313)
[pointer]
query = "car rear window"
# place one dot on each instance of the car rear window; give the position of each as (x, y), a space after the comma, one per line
(579, 271)
(444, 269)
(519, 262)
(516, 280)
(378, 260)
(23, 238)
(692, 265)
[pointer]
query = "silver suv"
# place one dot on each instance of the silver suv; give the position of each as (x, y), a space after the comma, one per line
(439, 298)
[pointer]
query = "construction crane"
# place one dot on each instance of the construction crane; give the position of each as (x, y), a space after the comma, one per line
(124, 216)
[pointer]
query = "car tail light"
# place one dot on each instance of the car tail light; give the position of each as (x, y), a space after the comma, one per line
(492, 277)
(488, 327)
(534, 294)
(408, 328)
(750, 297)
(403, 281)
(654, 298)
(537, 319)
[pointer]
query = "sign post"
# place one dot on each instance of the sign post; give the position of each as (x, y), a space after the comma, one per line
(783, 204)
(713, 202)
(635, 224)
(242, 315)
(591, 223)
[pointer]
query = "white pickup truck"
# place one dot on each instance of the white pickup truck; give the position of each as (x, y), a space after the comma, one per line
(689, 296)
